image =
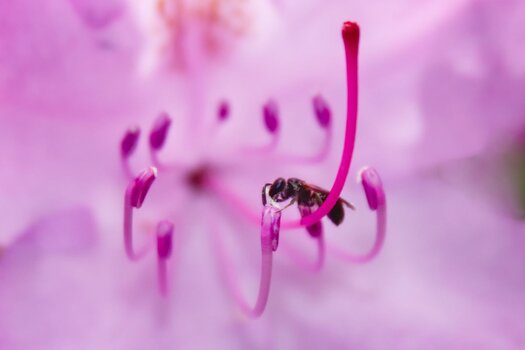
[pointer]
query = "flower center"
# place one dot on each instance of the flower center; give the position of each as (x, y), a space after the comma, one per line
(196, 178)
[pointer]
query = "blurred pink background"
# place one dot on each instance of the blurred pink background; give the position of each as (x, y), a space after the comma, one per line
(441, 117)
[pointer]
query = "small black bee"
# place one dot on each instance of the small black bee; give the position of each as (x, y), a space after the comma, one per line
(304, 194)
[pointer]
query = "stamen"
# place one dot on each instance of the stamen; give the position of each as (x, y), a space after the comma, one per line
(134, 197)
(350, 33)
(223, 112)
(270, 226)
(375, 196)
(128, 145)
(164, 246)
(323, 115)
(270, 115)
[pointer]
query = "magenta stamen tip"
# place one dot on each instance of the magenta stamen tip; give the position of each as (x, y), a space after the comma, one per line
(322, 111)
(141, 186)
(158, 133)
(223, 111)
(164, 239)
(373, 187)
(129, 142)
(271, 116)
(271, 220)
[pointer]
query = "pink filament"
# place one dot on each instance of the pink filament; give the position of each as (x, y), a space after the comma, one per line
(351, 41)
(269, 226)
(316, 158)
(162, 276)
(128, 230)
(233, 200)
(304, 262)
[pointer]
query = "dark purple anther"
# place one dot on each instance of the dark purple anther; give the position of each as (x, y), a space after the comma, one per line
(158, 133)
(373, 188)
(164, 239)
(271, 116)
(315, 230)
(223, 111)
(129, 142)
(271, 224)
(322, 111)
(275, 228)
(141, 186)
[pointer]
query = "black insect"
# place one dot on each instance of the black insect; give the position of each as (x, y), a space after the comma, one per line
(303, 194)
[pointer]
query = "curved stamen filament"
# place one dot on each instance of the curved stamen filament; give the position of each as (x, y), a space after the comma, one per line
(316, 232)
(351, 42)
(135, 194)
(271, 123)
(231, 198)
(323, 115)
(375, 195)
(304, 262)
(270, 224)
(321, 155)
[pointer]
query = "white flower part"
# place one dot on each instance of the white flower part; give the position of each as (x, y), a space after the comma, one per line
(180, 31)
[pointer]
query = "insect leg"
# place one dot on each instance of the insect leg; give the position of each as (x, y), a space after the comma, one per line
(263, 193)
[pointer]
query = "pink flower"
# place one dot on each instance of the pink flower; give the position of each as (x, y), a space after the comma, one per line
(244, 114)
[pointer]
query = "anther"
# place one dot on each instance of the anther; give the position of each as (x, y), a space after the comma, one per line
(164, 244)
(223, 111)
(271, 116)
(141, 185)
(373, 188)
(322, 111)
(315, 230)
(271, 223)
(164, 239)
(160, 129)
(129, 142)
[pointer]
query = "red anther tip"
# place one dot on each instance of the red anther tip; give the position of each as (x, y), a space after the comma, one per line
(141, 185)
(350, 31)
